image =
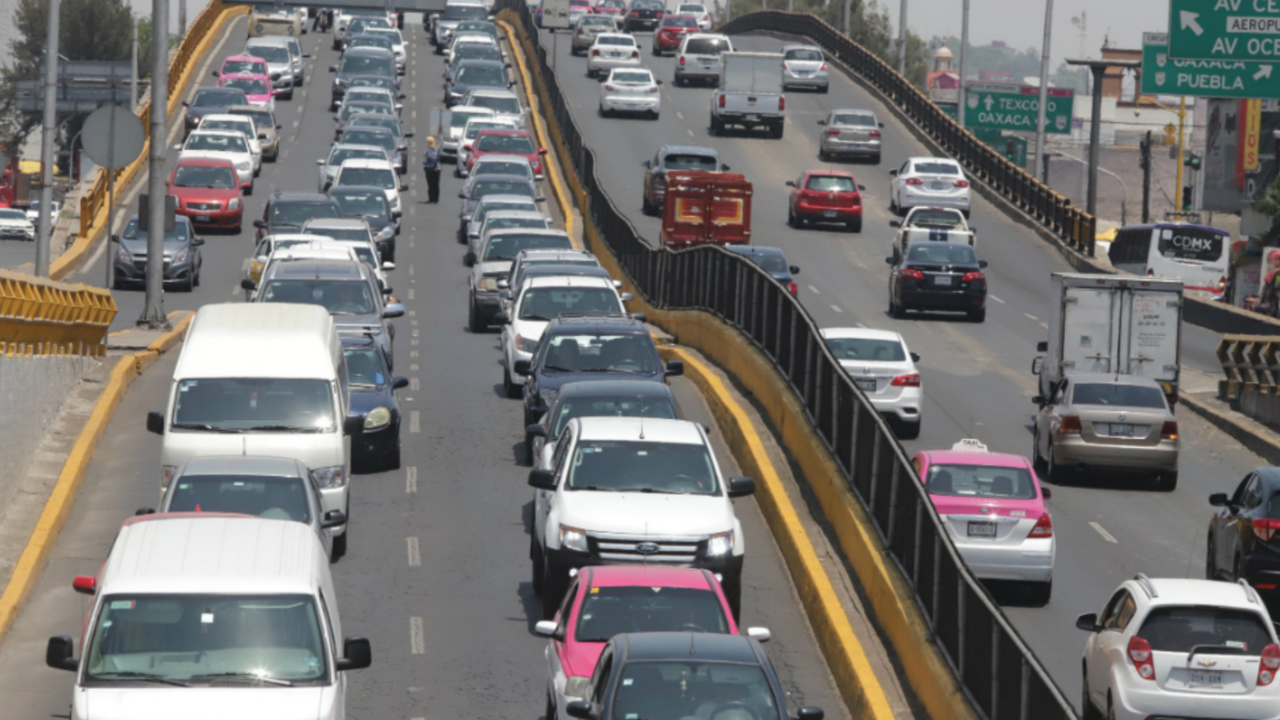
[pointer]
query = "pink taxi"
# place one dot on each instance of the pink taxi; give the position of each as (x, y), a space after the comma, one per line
(237, 64)
(257, 88)
(993, 505)
(603, 601)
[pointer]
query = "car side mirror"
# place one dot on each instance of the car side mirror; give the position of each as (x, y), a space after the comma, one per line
(85, 584)
(401, 96)
(822, 121)
(262, 136)
(388, 266)
(741, 486)
(759, 634)
(626, 297)
(504, 285)
(155, 423)
(399, 383)
(214, 73)
(674, 367)
(353, 426)
(639, 316)
(59, 654)
(657, 82)
(982, 263)
(408, 134)
(1047, 492)
(541, 198)
(186, 104)
(973, 228)
(333, 68)
(279, 126)
(1219, 500)
(724, 168)
(893, 173)
(1038, 399)
(1042, 346)
(536, 430)
(306, 55)
(358, 654)
(333, 519)
(542, 479)
(546, 628)
(523, 368)
(115, 238)
(581, 709)
(810, 713)
(144, 511)
(393, 310)
(469, 259)
(1088, 622)
(915, 357)
(790, 183)
(895, 224)
(881, 124)
(795, 269)
(542, 151)
(501, 318)
(862, 188)
(197, 242)
(462, 196)
(889, 261)
(260, 224)
(248, 284)
(647, 164)
(1037, 367)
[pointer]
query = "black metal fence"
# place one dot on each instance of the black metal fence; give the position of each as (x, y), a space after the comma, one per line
(1053, 211)
(1001, 675)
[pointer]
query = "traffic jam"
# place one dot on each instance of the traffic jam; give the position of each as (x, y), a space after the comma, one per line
(636, 555)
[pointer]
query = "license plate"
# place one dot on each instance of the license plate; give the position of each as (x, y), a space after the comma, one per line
(705, 61)
(937, 186)
(1205, 678)
(865, 385)
(753, 117)
(942, 280)
(982, 529)
(202, 218)
(1120, 430)
(828, 213)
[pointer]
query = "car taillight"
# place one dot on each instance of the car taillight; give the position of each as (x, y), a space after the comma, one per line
(833, 133)
(660, 13)
(1270, 663)
(1070, 424)
(782, 103)
(595, 53)
(874, 134)
(635, 13)
(1140, 654)
(791, 287)
(914, 181)
(1265, 528)
(635, 53)
(1043, 528)
(1169, 431)
(912, 380)
(681, 60)
(721, 101)
(1222, 282)
(823, 68)
(960, 183)
(610, 88)
(912, 274)
(973, 277)
(653, 89)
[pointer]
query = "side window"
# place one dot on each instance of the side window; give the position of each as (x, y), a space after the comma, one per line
(1252, 493)
(800, 181)
(905, 167)
(1112, 613)
(562, 449)
(1127, 609)
(600, 678)
(328, 621)
(568, 601)
(1060, 395)
(1237, 498)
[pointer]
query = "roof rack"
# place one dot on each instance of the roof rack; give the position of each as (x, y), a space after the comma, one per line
(1147, 586)
(1249, 593)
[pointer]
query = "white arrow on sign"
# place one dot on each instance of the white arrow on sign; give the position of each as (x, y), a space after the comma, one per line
(1189, 21)
(989, 101)
(1264, 71)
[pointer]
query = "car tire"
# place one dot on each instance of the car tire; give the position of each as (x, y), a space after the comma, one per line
(824, 89)
(1088, 711)
(1053, 473)
(552, 591)
(249, 190)
(656, 51)
(646, 207)
(896, 310)
(513, 390)
(188, 285)
(679, 81)
(776, 131)
(654, 116)
(1167, 482)
(875, 159)
(535, 560)
(823, 156)
(474, 321)
(717, 129)
(907, 430)
(392, 461)
(732, 588)
(1037, 460)
(1041, 592)
(1237, 569)
(893, 206)
(854, 225)
(550, 712)
(1210, 567)
(340, 545)
(977, 315)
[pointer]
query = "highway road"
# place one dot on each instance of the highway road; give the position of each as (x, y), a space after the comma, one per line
(976, 377)
(451, 625)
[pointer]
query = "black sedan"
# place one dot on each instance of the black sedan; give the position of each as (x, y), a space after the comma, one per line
(1243, 540)
(672, 675)
(938, 276)
(373, 398)
(594, 398)
(771, 260)
(643, 15)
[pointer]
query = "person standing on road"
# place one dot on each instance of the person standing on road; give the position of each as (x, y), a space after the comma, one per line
(431, 166)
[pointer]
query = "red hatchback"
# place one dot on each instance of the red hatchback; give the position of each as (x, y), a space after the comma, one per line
(506, 142)
(825, 196)
(672, 31)
(208, 192)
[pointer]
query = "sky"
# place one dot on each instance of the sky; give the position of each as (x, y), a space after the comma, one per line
(1020, 23)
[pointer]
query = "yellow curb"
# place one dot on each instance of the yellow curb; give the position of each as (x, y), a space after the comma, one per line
(845, 655)
(59, 503)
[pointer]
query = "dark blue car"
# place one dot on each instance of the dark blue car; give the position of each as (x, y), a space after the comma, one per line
(373, 398)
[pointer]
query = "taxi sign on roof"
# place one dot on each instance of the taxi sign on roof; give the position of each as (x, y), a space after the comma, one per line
(969, 445)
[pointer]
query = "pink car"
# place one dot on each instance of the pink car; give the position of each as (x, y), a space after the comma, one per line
(237, 64)
(609, 7)
(993, 505)
(257, 88)
(603, 601)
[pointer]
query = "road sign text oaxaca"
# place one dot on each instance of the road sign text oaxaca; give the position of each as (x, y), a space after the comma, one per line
(1164, 75)
(1000, 106)
(1224, 30)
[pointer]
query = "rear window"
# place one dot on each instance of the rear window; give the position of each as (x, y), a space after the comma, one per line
(276, 498)
(804, 55)
(691, 162)
(1222, 630)
(829, 183)
(981, 481)
(706, 46)
(465, 12)
(631, 76)
(647, 5)
(936, 168)
(615, 40)
(219, 97)
(867, 349)
(855, 120)
(936, 218)
(506, 144)
(1117, 395)
(942, 254)
(631, 406)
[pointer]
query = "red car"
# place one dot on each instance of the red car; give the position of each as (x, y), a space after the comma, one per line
(672, 31)
(506, 142)
(609, 7)
(603, 601)
(830, 196)
(208, 192)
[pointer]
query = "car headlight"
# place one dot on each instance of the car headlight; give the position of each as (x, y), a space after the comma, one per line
(548, 396)
(526, 344)
(234, 204)
(489, 283)
(386, 233)
(123, 255)
(334, 476)
(377, 418)
(242, 166)
(166, 475)
(181, 257)
(573, 539)
(720, 544)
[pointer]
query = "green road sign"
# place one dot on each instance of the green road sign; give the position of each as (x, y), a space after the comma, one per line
(1164, 75)
(1224, 30)
(1002, 106)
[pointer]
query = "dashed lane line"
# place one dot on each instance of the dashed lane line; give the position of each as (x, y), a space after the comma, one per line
(1103, 532)
(415, 557)
(411, 479)
(417, 642)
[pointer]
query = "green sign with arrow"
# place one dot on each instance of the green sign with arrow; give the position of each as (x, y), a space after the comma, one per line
(1164, 75)
(1247, 30)
(1003, 106)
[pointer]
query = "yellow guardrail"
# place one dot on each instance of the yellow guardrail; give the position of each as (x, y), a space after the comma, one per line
(1251, 363)
(47, 317)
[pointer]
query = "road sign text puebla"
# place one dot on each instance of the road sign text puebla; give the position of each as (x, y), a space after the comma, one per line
(1247, 30)
(1165, 75)
(1001, 106)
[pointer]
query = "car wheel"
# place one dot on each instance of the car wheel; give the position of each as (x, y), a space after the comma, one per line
(854, 225)
(908, 430)
(893, 206)
(656, 51)
(535, 557)
(249, 190)
(1041, 592)
(552, 591)
(679, 81)
(528, 447)
(340, 545)
(1088, 711)
(823, 156)
(654, 115)
(645, 206)
(776, 131)
(716, 127)
(1052, 471)
(188, 285)
(1167, 482)
(875, 159)
(824, 89)
(1210, 567)
(1037, 460)
(550, 712)
(392, 461)
(896, 309)
(1111, 708)
(513, 390)
(732, 588)
(473, 318)
(978, 315)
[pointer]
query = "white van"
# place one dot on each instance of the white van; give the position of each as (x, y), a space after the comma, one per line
(263, 379)
(211, 616)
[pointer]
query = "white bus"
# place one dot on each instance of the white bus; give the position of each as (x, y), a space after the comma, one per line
(1197, 254)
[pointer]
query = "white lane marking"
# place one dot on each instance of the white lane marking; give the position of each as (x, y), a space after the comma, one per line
(244, 266)
(1044, 325)
(410, 268)
(410, 293)
(296, 123)
(861, 325)
(414, 421)
(679, 114)
(836, 308)
(415, 557)
(413, 383)
(301, 108)
(1029, 315)
(993, 297)
(413, 366)
(283, 154)
(417, 643)
(690, 133)
(411, 479)
(814, 290)
(413, 353)
(413, 322)
(1103, 532)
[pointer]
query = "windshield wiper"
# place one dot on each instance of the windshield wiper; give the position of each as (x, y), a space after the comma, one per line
(144, 677)
(289, 428)
(243, 676)
(536, 317)
(204, 426)
(557, 368)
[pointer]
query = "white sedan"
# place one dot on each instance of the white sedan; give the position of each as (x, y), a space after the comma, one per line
(933, 181)
(612, 50)
(241, 124)
(699, 12)
(225, 145)
(631, 90)
(885, 371)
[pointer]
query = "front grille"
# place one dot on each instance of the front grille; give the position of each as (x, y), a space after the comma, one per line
(204, 206)
(669, 551)
(12, 232)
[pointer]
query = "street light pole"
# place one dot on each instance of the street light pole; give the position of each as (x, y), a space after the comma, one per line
(153, 310)
(47, 130)
(964, 61)
(1044, 84)
(133, 79)
(902, 38)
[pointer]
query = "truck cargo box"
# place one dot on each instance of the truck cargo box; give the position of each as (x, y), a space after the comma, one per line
(706, 207)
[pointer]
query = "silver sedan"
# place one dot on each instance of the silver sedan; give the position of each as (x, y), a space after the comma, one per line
(804, 66)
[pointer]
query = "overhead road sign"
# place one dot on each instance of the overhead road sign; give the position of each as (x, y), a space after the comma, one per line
(1005, 106)
(1165, 75)
(433, 6)
(1247, 30)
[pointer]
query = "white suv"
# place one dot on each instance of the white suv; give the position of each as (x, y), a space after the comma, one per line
(884, 370)
(1180, 648)
(628, 490)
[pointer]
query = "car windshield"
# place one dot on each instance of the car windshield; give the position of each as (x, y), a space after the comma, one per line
(465, 12)
(936, 168)
(537, 223)
(647, 5)
(854, 119)
(362, 204)
(504, 105)
(459, 117)
(772, 264)
(250, 86)
(366, 40)
(692, 9)
(203, 176)
(631, 76)
(15, 214)
(486, 186)
(487, 207)
(830, 183)
(269, 53)
(596, 21)
(392, 35)
(506, 144)
(386, 120)
(615, 40)
(615, 4)
(340, 153)
(483, 75)
(641, 466)
(680, 22)
(358, 25)
(937, 218)
(384, 178)
(131, 231)
(678, 161)
(232, 66)
(867, 349)
(207, 639)
(218, 97)
(503, 167)
(608, 611)
(368, 94)
(474, 127)
(487, 28)
(1117, 395)
(1225, 630)
(366, 65)
(942, 253)
(244, 127)
(477, 51)
(352, 107)
(622, 406)
(804, 54)
(246, 404)
(547, 303)
(363, 137)
(297, 213)
(364, 366)
(272, 497)
(981, 481)
(339, 297)
(628, 353)
(379, 81)
(507, 245)
(674, 690)
(706, 46)
(209, 142)
(350, 234)
(262, 120)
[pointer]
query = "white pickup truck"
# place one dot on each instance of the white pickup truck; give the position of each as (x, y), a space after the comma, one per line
(931, 224)
(749, 93)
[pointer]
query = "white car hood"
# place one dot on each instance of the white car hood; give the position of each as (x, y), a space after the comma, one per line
(646, 514)
(314, 449)
(492, 267)
(202, 703)
(529, 328)
(15, 222)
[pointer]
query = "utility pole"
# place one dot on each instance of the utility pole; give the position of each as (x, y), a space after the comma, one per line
(133, 80)
(47, 130)
(1182, 119)
(1044, 83)
(902, 38)
(182, 18)
(964, 61)
(153, 311)
(1145, 147)
(848, 16)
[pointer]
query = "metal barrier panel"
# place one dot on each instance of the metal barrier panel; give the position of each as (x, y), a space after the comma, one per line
(46, 317)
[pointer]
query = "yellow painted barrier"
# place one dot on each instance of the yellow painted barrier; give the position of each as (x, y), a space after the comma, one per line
(46, 317)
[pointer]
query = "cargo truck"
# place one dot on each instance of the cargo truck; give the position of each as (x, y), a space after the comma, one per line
(749, 93)
(706, 207)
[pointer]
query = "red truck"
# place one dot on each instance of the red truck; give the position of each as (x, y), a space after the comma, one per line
(706, 207)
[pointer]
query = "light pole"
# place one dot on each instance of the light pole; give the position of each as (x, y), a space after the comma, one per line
(153, 309)
(1044, 85)
(47, 131)
(964, 57)
(902, 38)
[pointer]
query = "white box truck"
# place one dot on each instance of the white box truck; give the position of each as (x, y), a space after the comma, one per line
(1112, 324)
(749, 93)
